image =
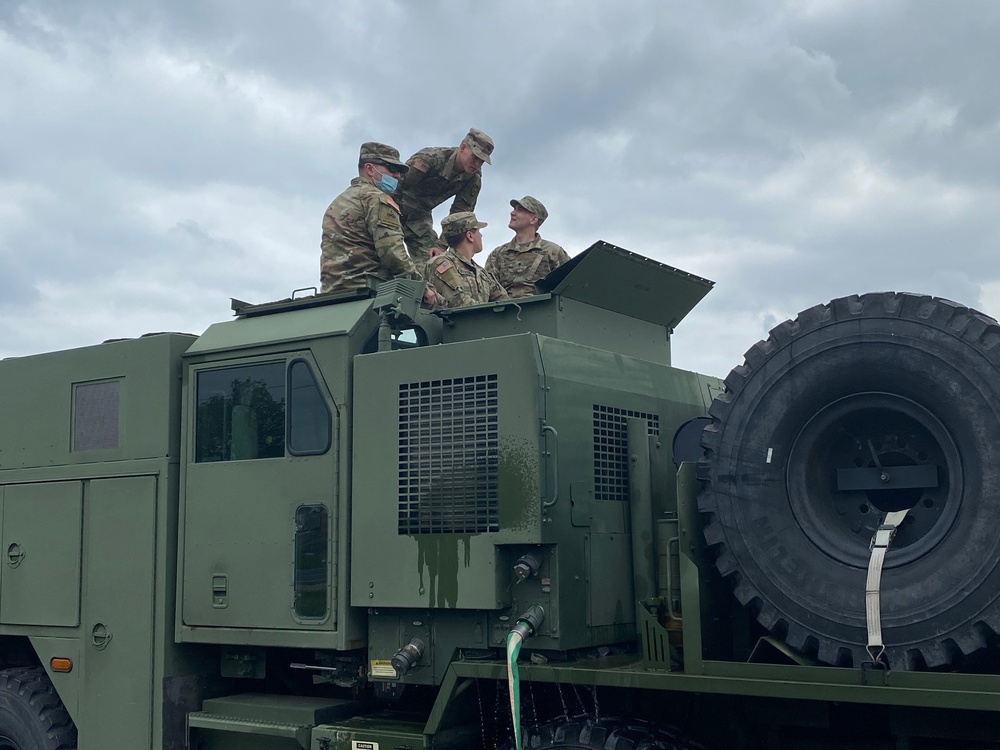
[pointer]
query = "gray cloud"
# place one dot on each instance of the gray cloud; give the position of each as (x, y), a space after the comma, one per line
(168, 155)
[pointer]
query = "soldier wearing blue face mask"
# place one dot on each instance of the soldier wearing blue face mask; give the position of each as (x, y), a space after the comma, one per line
(362, 234)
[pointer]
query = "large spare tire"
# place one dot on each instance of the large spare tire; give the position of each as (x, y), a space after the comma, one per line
(865, 405)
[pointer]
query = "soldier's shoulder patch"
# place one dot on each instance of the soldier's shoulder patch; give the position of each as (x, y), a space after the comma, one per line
(419, 164)
(386, 212)
(388, 200)
(443, 266)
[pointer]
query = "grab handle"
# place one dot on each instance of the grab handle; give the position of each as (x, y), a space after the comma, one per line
(555, 467)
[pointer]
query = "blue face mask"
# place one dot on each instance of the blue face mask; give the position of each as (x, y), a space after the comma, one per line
(387, 184)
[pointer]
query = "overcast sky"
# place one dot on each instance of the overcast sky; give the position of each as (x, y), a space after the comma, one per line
(161, 156)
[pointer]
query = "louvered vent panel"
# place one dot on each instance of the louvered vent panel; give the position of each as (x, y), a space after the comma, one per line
(611, 449)
(449, 456)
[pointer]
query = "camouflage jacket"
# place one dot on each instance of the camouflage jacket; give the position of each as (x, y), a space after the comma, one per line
(518, 267)
(460, 282)
(362, 237)
(434, 178)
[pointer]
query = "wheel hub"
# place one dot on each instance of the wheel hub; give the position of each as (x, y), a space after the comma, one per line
(863, 456)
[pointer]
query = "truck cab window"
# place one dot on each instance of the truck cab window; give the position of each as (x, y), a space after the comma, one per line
(241, 413)
(309, 418)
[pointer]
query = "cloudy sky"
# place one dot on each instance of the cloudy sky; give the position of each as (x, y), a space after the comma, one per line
(159, 157)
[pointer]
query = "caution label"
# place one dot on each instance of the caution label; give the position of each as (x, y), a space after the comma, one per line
(381, 668)
(359, 745)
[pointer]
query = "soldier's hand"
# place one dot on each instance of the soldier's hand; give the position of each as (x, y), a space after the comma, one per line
(430, 297)
(434, 252)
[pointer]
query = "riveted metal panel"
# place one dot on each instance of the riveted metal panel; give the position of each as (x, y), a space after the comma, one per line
(103, 403)
(41, 577)
(117, 637)
(442, 474)
(240, 523)
(611, 277)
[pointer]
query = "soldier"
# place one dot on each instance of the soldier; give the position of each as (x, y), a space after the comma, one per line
(362, 235)
(459, 281)
(435, 175)
(526, 258)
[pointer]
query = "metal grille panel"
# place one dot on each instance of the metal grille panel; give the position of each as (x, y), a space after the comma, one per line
(449, 456)
(611, 449)
(95, 416)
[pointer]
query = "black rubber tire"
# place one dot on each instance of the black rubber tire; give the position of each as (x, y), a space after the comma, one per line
(31, 715)
(602, 734)
(918, 377)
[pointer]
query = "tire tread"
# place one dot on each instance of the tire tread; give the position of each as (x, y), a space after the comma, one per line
(34, 688)
(974, 328)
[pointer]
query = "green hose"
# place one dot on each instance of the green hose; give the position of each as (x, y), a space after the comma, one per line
(514, 641)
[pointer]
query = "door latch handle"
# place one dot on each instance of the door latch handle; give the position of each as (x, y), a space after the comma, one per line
(100, 636)
(14, 555)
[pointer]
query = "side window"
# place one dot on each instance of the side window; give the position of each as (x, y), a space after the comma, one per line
(241, 413)
(311, 543)
(309, 418)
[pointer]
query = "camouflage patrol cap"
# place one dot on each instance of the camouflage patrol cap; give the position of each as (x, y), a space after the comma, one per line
(381, 154)
(480, 143)
(459, 223)
(532, 206)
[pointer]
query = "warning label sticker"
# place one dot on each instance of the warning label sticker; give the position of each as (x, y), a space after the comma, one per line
(382, 668)
(359, 745)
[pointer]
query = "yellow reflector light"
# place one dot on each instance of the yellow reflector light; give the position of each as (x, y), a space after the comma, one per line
(60, 664)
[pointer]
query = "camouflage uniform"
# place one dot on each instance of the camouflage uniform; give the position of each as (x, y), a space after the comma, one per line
(434, 177)
(460, 282)
(518, 267)
(362, 234)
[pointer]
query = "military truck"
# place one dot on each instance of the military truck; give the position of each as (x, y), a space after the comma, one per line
(351, 523)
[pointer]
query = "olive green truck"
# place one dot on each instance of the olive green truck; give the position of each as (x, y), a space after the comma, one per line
(355, 524)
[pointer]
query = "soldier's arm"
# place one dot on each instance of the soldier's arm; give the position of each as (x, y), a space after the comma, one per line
(465, 199)
(418, 167)
(497, 292)
(438, 247)
(462, 298)
(555, 256)
(448, 283)
(387, 234)
(434, 285)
